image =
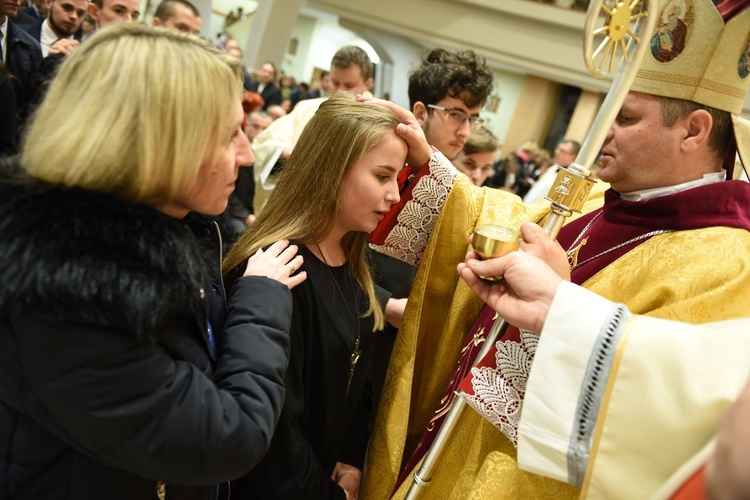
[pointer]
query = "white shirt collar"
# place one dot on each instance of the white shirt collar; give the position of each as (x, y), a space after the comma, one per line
(647, 194)
(48, 37)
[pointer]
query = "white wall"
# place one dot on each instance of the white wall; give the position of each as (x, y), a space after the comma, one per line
(398, 55)
(295, 64)
(319, 35)
(507, 88)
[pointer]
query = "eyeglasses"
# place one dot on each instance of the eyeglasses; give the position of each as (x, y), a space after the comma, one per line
(457, 116)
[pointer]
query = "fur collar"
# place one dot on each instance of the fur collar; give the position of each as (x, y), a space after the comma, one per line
(76, 255)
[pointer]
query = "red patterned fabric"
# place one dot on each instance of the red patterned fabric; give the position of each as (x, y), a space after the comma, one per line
(473, 343)
(407, 179)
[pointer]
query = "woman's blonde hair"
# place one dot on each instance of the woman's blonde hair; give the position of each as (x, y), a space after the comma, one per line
(134, 112)
(305, 204)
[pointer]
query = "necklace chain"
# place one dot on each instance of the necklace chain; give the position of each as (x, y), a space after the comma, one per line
(356, 351)
(593, 219)
(573, 250)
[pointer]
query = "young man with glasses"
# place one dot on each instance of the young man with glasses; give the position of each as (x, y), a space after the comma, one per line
(446, 93)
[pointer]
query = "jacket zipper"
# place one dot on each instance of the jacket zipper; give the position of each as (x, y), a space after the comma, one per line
(161, 486)
(221, 258)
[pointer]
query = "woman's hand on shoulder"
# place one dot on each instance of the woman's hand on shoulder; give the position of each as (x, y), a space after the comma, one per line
(280, 262)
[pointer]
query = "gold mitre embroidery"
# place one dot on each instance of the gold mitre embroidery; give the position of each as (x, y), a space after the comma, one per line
(697, 57)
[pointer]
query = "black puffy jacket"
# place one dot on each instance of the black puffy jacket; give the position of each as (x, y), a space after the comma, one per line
(110, 384)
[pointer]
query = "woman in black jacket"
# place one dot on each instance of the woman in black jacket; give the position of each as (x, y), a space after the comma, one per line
(125, 371)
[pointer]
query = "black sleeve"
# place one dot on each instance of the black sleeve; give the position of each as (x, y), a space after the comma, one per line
(45, 73)
(275, 97)
(291, 470)
(7, 117)
(132, 406)
(358, 436)
(383, 296)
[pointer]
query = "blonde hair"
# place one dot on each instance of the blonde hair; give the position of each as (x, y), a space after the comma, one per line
(305, 204)
(134, 112)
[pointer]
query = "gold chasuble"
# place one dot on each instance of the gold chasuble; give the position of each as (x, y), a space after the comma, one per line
(695, 275)
(440, 311)
(683, 256)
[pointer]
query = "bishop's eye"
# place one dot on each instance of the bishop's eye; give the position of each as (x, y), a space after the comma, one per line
(623, 120)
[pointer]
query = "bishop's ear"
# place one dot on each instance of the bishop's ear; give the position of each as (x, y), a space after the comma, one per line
(698, 126)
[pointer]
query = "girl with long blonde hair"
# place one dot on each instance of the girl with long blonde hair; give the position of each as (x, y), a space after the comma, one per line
(336, 186)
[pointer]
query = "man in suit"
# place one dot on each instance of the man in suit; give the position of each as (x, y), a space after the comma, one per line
(266, 87)
(63, 22)
(37, 9)
(20, 53)
(103, 13)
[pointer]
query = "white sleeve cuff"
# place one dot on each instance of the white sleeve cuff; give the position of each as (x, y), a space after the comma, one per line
(568, 338)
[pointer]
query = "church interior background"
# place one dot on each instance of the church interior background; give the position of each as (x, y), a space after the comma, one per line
(542, 91)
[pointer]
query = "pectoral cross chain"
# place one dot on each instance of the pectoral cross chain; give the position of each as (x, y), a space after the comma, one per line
(573, 254)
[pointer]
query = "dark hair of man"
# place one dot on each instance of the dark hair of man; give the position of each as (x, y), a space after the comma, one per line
(324, 74)
(721, 134)
(168, 8)
(460, 74)
(350, 55)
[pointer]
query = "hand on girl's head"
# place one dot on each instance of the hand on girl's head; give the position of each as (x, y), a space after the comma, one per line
(409, 130)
